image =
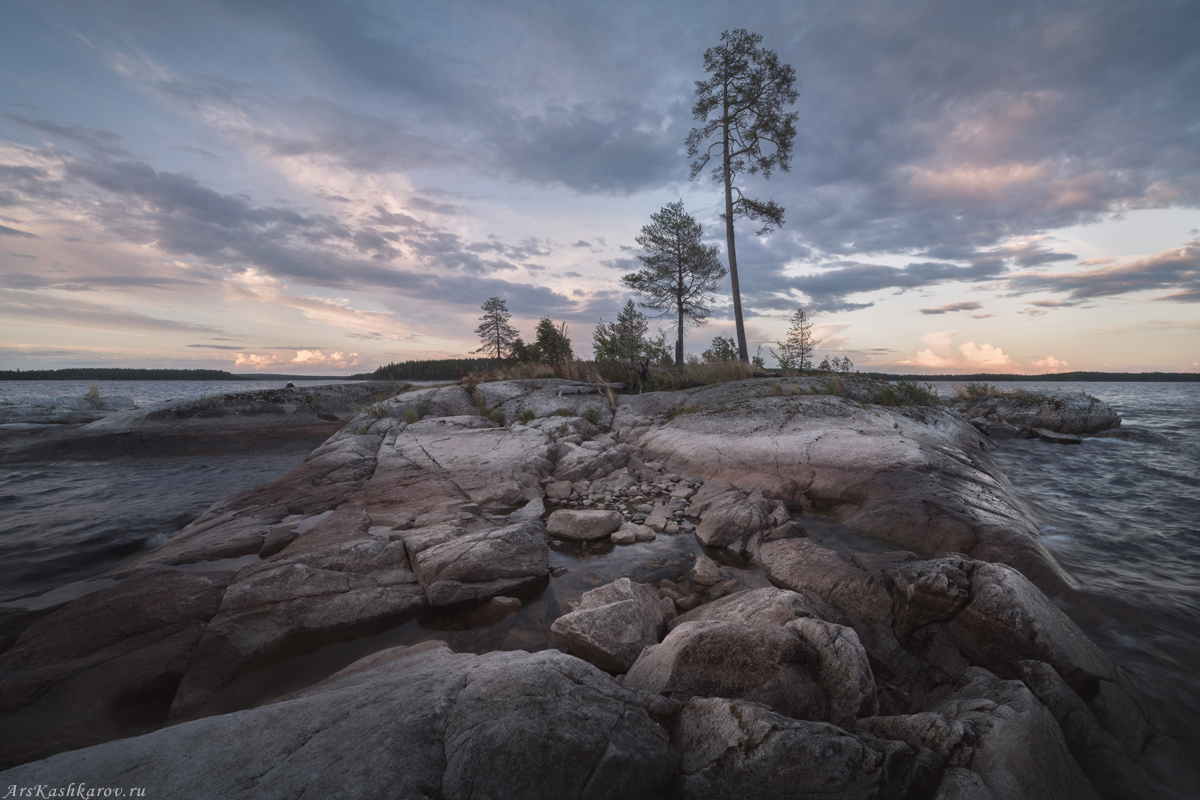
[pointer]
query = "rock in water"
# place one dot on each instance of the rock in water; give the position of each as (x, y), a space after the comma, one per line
(584, 525)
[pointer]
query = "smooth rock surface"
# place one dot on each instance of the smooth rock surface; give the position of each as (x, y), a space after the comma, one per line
(415, 722)
(583, 525)
(613, 624)
(771, 666)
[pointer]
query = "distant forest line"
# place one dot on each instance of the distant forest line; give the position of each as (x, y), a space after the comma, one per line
(1062, 377)
(449, 369)
(131, 374)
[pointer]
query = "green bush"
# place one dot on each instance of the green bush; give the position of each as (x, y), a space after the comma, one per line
(908, 393)
(525, 416)
(592, 414)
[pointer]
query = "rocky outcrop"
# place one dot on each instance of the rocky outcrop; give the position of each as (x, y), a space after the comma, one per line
(1054, 412)
(927, 672)
(415, 722)
(61, 410)
(918, 477)
(241, 421)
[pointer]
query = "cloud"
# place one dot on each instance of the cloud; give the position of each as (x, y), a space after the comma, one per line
(317, 358)
(926, 358)
(39, 310)
(1177, 268)
(256, 361)
(1050, 362)
(7, 231)
(942, 354)
(950, 307)
(984, 355)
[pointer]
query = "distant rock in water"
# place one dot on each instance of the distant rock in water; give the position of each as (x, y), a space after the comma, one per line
(1057, 413)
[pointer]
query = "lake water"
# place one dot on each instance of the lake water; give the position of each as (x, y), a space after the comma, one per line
(1123, 517)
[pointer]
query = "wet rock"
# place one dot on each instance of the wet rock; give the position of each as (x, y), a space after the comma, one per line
(706, 572)
(732, 748)
(1121, 766)
(1007, 620)
(493, 611)
(584, 525)
(625, 535)
(1056, 438)
(1058, 412)
(613, 624)
(1015, 746)
(415, 722)
(771, 666)
(78, 674)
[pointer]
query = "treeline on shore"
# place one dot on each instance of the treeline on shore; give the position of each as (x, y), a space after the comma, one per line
(1064, 377)
(450, 369)
(445, 369)
(139, 374)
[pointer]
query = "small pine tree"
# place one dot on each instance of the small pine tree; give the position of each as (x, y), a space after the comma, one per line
(796, 350)
(494, 331)
(552, 344)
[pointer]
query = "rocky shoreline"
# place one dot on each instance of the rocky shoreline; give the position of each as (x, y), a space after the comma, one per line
(934, 664)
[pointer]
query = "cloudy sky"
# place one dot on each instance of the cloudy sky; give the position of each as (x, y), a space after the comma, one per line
(323, 187)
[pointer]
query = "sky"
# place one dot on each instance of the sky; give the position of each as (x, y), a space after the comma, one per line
(325, 187)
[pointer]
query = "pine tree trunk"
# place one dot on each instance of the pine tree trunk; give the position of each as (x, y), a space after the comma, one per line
(743, 351)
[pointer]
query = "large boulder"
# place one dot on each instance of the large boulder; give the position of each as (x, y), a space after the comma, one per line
(842, 667)
(767, 607)
(613, 624)
(415, 722)
(771, 666)
(1012, 744)
(585, 525)
(1007, 620)
(733, 748)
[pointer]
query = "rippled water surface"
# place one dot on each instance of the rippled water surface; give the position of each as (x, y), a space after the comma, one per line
(1124, 518)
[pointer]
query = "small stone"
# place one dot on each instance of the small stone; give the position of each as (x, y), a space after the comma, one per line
(706, 572)
(671, 528)
(558, 490)
(558, 572)
(625, 535)
(644, 534)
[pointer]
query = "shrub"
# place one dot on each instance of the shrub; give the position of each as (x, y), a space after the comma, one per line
(908, 393)
(378, 409)
(92, 395)
(525, 415)
(592, 414)
(209, 400)
(411, 416)
(496, 417)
